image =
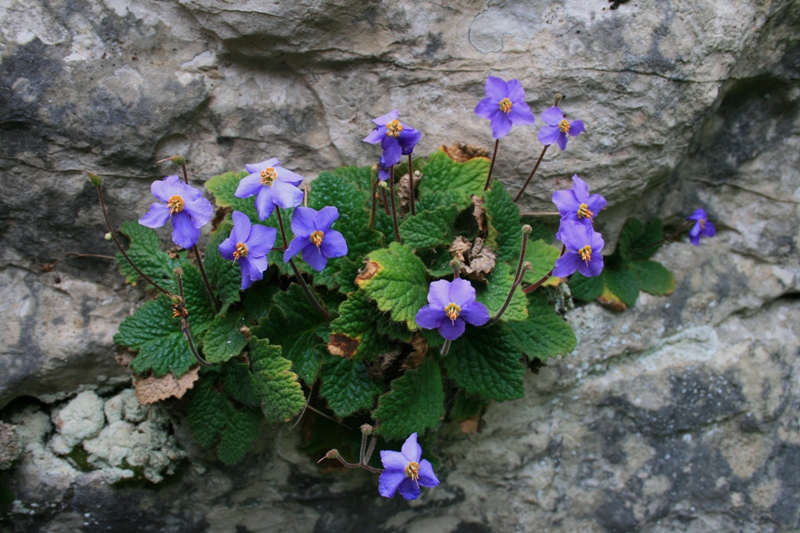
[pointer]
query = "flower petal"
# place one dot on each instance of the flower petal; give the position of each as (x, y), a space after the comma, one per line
(256, 168)
(184, 232)
(515, 92)
(297, 244)
(303, 221)
(430, 317)
(580, 188)
(496, 88)
(314, 258)
(391, 150)
(200, 210)
(388, 117)
(264, 203)
(333, 244)
(593, 267)
(393, 461)
(409, 489)
(255, 267)
(249, 186)
(461, 292)
(411, 449)
(573, 235)
(286, 195)
(156, 216)
(475, 313)
(227, 247)
(261, 241)
(699, 214)
(409, 138)
(169, 186)
(375, 136)
(389, 482)
(562, 141)
(487, 108)
(241, 227)
(287, 176)
(426, 476)
(709, 230)
(566, 203)
(521, 115)
(548, 134)
(439, 293)
(596, 203)
(452, 330)
(596, 242)
(326, 216)
(552, 116)
(576, 127)
(501, 125)
(566, 264)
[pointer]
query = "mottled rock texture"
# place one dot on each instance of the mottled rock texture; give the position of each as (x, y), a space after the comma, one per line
(677, 415)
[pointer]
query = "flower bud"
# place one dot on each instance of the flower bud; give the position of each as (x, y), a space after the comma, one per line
(178, 271)
(94, 178)
(107, 236)
(527, 229)
(366, 429)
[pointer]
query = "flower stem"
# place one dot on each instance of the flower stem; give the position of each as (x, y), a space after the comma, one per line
(520, 273)
(371, 224)
(411, 185)
(119, 245)
(184, 314)
(306, 289)
(394, 207)
(385, 202)
(530, 288)
(445, 347)
(491, 166)
(530, 176)
(209, 290)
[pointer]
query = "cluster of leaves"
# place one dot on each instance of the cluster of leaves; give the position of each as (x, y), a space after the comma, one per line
(271, 348)
(629, 269)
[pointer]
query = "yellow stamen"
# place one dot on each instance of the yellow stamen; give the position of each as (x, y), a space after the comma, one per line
(268, 175)
(394, 128)
(702, 224)
(412, 470)
(586, 253)
(505, 105)
(452, 311)
(240, 251)
(175, 204)
(316, 238)
(563, 126)
(583, 212)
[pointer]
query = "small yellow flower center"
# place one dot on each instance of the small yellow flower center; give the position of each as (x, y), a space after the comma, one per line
(316, 238)
(702, 224)
(563, 126)
(584, 212)
(586, 253)
(505, 105)
(452, 311)
(240, 251)
(412, 470)
(394, 128)
(175, 204)
(268, 175)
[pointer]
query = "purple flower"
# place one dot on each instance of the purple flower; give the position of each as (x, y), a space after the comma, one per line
(702, 227)
(184, 204)
(404, 471)
(249, 245)
(577, 204)
(504, 105)
(395, 137)
(312, 235)
(583, 245)
(558, 127)
(273, 186)
(383, 170)
(450, 306)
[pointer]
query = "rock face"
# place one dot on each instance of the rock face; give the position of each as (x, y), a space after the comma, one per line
(676, 415)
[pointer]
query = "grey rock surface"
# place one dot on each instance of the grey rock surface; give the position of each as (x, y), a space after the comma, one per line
(677, 415)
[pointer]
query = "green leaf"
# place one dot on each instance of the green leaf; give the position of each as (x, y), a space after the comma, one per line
(354, 333)
(485, 362)
(465, 406)
(158, 338)
(224, 186)
(210, 415)
(640, 241)
(361, 177)
(653, 277)
(506, 228)
(622, 283)
(397, 281)
(429, 228)
(544, 334)
(331, 189)
(542, 257)
(280, 393)
(347, 386)
(436, 199)
(444, 174)
(299, 328)
(586, 289)
(224, 339)
(225, 276)
(495, 293)
(145, 252)
(346, 276)
(415, 403)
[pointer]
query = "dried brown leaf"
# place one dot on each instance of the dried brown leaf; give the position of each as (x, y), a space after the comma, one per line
(152, 389)
(464, 152)
(416, 357)
(479, 212)
(471, 425)
(403, 192)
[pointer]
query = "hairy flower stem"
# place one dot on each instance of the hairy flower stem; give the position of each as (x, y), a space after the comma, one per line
(334, 454)
(530, 288)
(445, 347)
(411, 185)
(121, 249)
(185, 320)
(520, 273)
(371, 224)
(306, 289)
(385, 202)
(394, 207)
(530, 176)
(491, 166)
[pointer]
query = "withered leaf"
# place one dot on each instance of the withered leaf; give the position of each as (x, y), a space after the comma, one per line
(462, 152)
(343, 346)
(152, 389)
(404, 193)
(479, 212)
(415, 358)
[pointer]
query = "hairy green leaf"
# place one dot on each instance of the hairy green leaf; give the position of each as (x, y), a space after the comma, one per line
(224, 339)
(354, 333)
(653, 277)
(622, 283)
(429, 228)
(415, 403)
(542, 257)
(276, 385)
(544, 334)
(225, 276)
(586, 289)
(640, 241)
(145, 252)
(444, 174)
(504, 222)
(494, 294)
(347, 386)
